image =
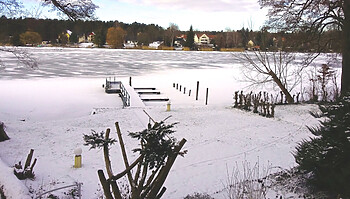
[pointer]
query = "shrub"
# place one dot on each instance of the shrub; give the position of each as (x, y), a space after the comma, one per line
(198, 196)
(327, 155)
(2, 195)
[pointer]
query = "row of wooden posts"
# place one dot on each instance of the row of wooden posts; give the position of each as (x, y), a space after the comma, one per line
(179, 87)
(261, 103)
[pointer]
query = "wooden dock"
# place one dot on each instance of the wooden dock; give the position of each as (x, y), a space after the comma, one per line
(117, 87)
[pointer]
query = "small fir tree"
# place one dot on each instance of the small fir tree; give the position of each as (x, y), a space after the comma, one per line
(100, 38)
(73, 38)
(327, 155)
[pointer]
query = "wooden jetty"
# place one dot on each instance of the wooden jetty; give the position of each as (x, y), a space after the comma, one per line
(114, 86)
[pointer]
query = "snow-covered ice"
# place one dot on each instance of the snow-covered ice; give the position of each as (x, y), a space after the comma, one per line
(49, 110)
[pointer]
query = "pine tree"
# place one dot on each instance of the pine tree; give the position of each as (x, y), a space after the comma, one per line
(100, 38)
(327, 155)
(190, 38)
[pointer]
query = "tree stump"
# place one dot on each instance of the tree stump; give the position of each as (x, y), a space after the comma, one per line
(3, 135)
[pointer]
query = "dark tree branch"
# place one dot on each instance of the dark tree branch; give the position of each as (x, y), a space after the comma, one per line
(82, 9)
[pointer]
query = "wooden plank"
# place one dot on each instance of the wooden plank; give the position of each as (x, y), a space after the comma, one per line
(109, 91)
(149, 92)
(145, 88)
(154, 99)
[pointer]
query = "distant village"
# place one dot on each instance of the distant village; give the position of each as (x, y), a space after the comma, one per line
(114, 34)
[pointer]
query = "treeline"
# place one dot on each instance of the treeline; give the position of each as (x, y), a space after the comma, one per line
(54, 31)
(51, 29)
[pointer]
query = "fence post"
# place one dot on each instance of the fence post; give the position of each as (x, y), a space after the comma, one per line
(206, 97)
(79, 190)
(197, 90)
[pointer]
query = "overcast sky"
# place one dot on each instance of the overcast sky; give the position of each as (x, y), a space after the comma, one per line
(203, 15)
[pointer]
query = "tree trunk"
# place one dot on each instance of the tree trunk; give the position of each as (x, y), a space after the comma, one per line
(290, 99)
(3, 135)
(345, 79)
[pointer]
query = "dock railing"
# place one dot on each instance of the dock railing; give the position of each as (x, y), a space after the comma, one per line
(124, 95)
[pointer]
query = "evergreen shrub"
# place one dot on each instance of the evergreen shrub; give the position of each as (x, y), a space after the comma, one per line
(327, 156)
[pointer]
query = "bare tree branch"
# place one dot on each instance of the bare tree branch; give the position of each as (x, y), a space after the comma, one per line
(22, 56)
(10, 7)
(74, 10)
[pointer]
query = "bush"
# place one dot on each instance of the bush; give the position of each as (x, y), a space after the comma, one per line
(327, 155)
(2, 195)
(198, 196)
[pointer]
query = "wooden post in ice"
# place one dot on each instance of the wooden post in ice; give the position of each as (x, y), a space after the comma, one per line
(206, 97)
(197, 90)
(177, 86)
(184, 90)
(180, 88)
(129, 81)
(189, 92)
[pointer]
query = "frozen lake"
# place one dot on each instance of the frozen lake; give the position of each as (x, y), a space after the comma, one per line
(72, 77)
(70, 62)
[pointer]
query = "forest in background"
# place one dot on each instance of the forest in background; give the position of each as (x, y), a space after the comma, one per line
(53, 31)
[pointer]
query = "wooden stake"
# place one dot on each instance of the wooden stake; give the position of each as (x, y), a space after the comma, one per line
(206, 96)
(115, 188)
(29, 159)
(125, 157)
(197, 90)
(105, 184)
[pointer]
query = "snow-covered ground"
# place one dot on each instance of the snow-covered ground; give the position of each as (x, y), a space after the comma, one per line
(49, 110)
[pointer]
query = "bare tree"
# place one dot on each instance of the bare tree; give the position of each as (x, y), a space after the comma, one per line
(314, 17)
(171, 32)
(264, 67)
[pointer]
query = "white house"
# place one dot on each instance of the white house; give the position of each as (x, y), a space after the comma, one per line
(201, 39)
(155, 44)
(130, 44)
